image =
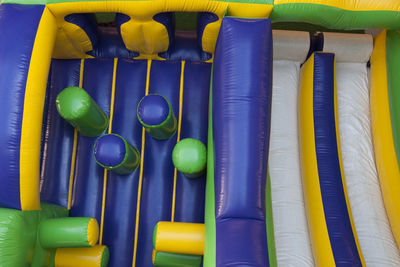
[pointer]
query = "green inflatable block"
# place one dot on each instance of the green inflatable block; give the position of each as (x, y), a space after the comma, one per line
(190, 157)
(77, 107)
(68, 232)
(165, 259)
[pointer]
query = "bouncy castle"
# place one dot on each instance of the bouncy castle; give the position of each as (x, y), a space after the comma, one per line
(193, 133)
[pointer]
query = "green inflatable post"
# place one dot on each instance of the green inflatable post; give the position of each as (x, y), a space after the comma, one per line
(77, 107)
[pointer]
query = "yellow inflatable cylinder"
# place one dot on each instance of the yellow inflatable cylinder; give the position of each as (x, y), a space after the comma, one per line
(96, 256)
(181, 238)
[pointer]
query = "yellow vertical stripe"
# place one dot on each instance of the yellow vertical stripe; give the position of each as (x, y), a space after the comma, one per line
(139, 194)
(32, 116)
(320, 241)
(353, 229)
(73, 157)
(103, 202)
(178, 138)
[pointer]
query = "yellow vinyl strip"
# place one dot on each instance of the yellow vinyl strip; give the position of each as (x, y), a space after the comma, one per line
(320, 241)
(73, 157)
(32, 116)
(178, 138)
(382, 133)
(103, 202)
(139, 194)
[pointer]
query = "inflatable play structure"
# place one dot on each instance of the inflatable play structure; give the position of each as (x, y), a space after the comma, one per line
(199, 133)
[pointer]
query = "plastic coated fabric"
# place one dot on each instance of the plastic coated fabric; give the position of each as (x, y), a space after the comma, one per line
(242, 88)
(88, 182)
(121, 200)
(190, 193)
(110, 45)
(158, 170)
(348, 47)
(13, 79)
(338, 221)
(87, 22)
(364, 193)
(58, 137)
(185, 47)
(290, 224)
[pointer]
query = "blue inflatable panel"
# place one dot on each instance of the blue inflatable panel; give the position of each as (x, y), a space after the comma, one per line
(88, 181)
(15, 48)
(190, 192)
(158, 173)
(337, 218)
(242, 87)
(121, 200)
(110, 45)
(87, 22)
(58, 137)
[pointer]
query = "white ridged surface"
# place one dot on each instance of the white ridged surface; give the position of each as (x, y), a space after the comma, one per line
(290, 225)
(369, 215)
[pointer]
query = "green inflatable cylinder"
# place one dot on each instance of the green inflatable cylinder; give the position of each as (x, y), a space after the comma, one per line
(69, 232)
(77, 107)
(165, 259)
(190, 157)
(114, 153)
(155, 114)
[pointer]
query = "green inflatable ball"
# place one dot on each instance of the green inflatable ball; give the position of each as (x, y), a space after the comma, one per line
(190, 157)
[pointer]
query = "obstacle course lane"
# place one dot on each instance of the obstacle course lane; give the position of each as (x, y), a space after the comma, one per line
(120, 206)
(158, 172)
(59, 136)
(88, 184)
(190, 192)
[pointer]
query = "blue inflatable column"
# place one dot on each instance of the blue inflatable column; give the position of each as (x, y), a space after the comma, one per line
(241, 93)
(23, 84)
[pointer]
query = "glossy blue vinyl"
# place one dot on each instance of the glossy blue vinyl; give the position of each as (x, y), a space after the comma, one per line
(121, 200)
(337, 218)
(17, 39)
(158, 172)
(58, 136)
(88, 178)
(110, 45)
(190, 193)
(242, 87)
(87, 22)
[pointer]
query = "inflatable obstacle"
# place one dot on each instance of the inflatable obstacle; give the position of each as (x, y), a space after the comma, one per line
(192, 133)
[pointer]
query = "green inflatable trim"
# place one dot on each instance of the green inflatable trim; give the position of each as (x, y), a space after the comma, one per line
(45, 257)
(105, 257)
(64, 232)
(210, 235)
(19, 244)
(393, 69)
(76, 106)
(270, 224)
(155, 235)
(164, 259)
(327, 16)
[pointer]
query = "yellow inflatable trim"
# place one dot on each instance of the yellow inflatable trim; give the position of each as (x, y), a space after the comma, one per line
(385, 154)
(81, 257)
(181, 238)
(32, 117)
(319, 236)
